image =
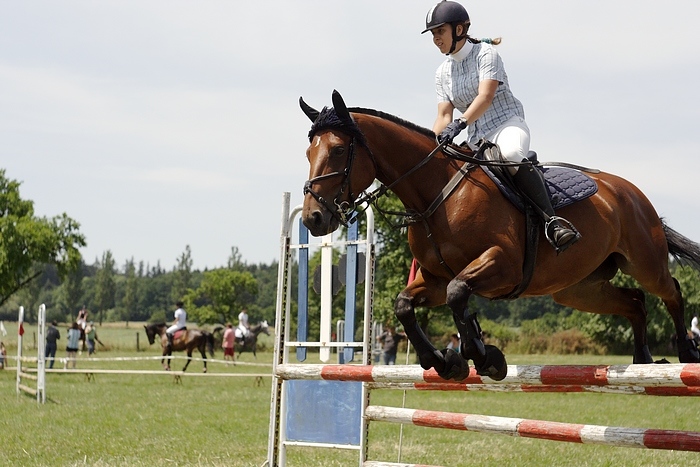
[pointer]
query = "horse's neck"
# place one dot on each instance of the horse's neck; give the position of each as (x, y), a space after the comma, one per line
(397, 151)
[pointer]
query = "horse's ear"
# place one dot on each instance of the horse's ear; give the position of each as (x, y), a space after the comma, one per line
(308, 110)
(340, 108)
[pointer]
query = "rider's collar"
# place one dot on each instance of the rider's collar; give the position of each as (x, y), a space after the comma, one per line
(462, 53)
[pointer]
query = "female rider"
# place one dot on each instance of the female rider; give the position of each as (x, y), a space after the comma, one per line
(473, 80)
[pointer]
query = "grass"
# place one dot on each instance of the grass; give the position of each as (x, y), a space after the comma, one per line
(135, 420)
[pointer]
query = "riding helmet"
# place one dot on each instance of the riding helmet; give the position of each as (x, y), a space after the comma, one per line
(445, 12)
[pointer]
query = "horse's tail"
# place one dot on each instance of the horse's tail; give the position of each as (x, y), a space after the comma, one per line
(683, 249)
(210, 343)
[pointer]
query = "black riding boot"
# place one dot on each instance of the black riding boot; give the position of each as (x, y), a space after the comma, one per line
(531, 182)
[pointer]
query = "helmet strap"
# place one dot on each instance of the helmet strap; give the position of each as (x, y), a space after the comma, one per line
(456, 38)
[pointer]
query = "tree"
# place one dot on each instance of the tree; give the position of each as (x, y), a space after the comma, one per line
(131, 290)
(220, 295)
(182, 275)
(27, 241)
(106, 286)
(72, 291)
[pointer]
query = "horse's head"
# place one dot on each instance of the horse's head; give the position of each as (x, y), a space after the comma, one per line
(263, 327)
(341, 167)
(150, 333)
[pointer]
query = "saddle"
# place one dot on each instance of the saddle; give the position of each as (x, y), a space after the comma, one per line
(567, 184)
(179, 333)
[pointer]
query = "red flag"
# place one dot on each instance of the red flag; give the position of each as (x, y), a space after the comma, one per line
(21, 329)
(413, 271)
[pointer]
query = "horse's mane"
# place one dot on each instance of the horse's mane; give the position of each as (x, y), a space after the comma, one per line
(394, 119)
(329, 119)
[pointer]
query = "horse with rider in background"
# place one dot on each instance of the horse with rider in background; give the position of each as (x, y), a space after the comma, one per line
(183, 340)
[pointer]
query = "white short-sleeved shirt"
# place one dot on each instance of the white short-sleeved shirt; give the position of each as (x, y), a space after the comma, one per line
(181, 317)
(243, 319)
(457, 81)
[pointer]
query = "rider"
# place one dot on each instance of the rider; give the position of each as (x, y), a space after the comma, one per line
(178, 323)
(82, 317)
(473, 80)
(243, 325)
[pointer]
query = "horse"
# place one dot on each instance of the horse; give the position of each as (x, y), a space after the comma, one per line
(250, 342)
(469, 239)
(188, 340)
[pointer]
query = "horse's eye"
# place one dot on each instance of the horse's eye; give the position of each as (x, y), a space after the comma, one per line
(338, 151)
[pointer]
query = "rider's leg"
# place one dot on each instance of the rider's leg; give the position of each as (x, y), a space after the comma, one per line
(530, 181)
(513, 140)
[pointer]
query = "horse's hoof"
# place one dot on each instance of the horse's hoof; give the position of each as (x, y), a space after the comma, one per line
(456, 367)
(204, 371)
(432, 360)
(494, 364)
(643, 356)
(688, 351)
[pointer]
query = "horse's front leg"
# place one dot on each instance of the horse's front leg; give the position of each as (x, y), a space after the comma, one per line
(420, 293)
(189, 358)
(491, 274)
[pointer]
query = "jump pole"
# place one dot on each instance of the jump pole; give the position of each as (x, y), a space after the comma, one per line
(556, 431)
(681, 375)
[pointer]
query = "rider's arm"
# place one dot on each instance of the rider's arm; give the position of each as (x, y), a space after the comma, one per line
(444, 116)
(483, 100)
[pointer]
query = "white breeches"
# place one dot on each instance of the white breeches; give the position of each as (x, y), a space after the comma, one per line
(513, 140)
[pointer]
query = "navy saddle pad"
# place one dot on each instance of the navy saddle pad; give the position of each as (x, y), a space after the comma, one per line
(565, 185)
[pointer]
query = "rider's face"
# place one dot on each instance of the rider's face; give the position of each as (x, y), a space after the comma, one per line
(442, 38)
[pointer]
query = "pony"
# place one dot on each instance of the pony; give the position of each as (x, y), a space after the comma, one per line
(469, 239)
(187, 340)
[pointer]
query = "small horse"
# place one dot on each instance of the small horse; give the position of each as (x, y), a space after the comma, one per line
(469, 239)
(250, 342)
(187, 340)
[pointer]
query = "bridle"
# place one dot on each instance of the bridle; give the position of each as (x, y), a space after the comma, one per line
(341, 210)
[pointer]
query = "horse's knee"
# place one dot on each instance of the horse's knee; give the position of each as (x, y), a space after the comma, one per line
(403, 308)
(458, 293)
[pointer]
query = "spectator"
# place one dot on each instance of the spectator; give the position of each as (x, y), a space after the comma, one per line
(73, 340)
(228, 342)
(52, 335)
(91, 337)
(390, 339)
(3, 356)
(454, 343)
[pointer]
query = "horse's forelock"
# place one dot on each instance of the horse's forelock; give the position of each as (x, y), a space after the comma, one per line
(328, 119)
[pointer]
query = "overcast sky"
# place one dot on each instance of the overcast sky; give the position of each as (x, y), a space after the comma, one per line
(162, 124)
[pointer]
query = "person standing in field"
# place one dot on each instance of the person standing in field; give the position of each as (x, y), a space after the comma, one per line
(52, 335)
(91, 337)
(3, 356)
(228, 342)
(73, 341)
(390, 339)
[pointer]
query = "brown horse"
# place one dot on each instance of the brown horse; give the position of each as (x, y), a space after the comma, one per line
(470, 240)
(188, 340)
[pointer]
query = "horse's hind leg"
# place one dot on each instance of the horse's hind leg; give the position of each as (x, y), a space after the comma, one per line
(600, 296)
(202, 350)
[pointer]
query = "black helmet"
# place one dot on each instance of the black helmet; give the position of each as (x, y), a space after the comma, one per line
(445, 12)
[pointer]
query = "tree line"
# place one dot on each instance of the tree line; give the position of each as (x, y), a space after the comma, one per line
(40, 263)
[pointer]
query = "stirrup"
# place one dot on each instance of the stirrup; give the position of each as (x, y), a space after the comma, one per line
(549, 224)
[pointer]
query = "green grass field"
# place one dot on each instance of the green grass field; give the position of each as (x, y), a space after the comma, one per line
(134, 420)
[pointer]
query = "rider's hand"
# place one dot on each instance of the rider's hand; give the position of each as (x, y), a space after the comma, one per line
(452, 130)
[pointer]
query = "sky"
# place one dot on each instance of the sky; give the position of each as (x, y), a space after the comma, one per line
(159, 125)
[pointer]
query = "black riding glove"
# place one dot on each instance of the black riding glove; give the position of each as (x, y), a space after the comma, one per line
(452, 130)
